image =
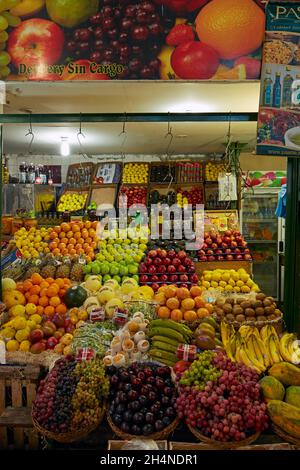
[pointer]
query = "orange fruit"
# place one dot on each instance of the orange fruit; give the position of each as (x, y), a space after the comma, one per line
(56, 251)
(188, 304)
(75, 228)
(39, 310)
(62, 292)
(44, 284)
(160, 298)
(65, 251)
(27, 285)
(20, 287)
(77, 246)
(72, 251)
(84, 234)
(65, 227)
(61, 308)
(69, 234)
(202, 312)
(176, 315)
(195, 291)
(88, 224)
(52, 290)
(27, 295)
(62, 235)
(54, 301)
(53, 235)
(209, 308)
(62, 246)
(44, 291)
(44, 301)
(95, 225)
(64, 240)
(80, 251)
(183, 293)
(35, 290)
(92, 233)
(163, 312)
(36, 279)
(80, 241)
(173, 303)
(52, 246)
(233, 27)
(171, 291)
(88, 240)
(56, 240)
(60, 282)
(33, 299)
(50, 280)
(72, 241)
(162, 289)
(57, 229)
(190, 315)
(199, 302)
(49, 310)
(94, 245)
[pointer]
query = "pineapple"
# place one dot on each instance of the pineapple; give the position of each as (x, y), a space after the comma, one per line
(63, 271)
(30, 271)
(48, 271)
(77, 272)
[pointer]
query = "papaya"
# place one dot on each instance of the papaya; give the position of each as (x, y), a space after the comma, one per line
(272, 389)
(285, 416)
(292, 396)
(286, 373)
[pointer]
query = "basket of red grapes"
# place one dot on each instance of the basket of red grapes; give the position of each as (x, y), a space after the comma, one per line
(142, 401)
(71, 400)
(221, 401)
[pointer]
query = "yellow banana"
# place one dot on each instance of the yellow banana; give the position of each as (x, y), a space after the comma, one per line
(225, 332)
(273, 332)
(249, 350)
(229, 352)
(255, 332)
(244, 331)
(233, 343)
(274, 353)
(245, 359)
(258, 354)
(264, 333)
(264, 351)
(285, 344)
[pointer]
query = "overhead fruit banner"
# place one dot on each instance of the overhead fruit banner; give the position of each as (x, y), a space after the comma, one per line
(279, 112)
(131, 39)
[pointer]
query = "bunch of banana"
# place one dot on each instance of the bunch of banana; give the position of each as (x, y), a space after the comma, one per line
(227, 332)
(271, 341)
(289, 348)
(165, 336)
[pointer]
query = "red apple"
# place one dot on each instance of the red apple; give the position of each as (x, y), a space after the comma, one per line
(208, 241)
(192, 269)
(171, 254)
(171, 269)
(58, 320)
(248, 257)
(183, 278)
(204, 246)
(243, 243)
(234, 244)
(219, 240)
(214, 246)
(35, 42)
(143, 268)
(163, 254)
(194, 278)
(229, 257)
(152, 253)
(144, 278)
(211, 258)
(181, 254)
(237, 251)
(203, 258)
(154, 278)
(209, 252)
(228, 233)
(174, 278)
(36, 335)
(246, 250)
(148, 261)
(238, 257)
(228, 251)
(155, 286)
(176, 262)
(157, 261)
(58, 334)
(206, 234)
(164, 278)
(188, 261)
(48, 328)
(219, 252)
(201, 253)
(70, 328)
(220, 258)
(51, 342)
(227, 240)
(224, 245)
(38, 347)
(183, 285)
(161, 269)
(152, 269)
(167, 261)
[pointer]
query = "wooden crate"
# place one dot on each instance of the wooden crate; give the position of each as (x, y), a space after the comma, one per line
(80, 190)
(162, 164)
(117, 445)
(201, 446)
(84, 166)
(211, 265)
(17, 391)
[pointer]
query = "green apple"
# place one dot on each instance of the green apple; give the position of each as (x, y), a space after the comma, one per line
(105, 268)
(136, 277)
(96, 268)
(106, 278)
(114, 270)
(123, 270)
(117, 278)
(133, 269)
(87, 268)
(128, 259)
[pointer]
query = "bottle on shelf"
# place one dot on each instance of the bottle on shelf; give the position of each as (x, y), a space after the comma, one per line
(23, 169)
(267, 89)
(31, 174)
(277, 91)
(5, 172)
(287, 88)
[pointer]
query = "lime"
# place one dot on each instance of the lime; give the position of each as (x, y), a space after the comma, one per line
(70, 13)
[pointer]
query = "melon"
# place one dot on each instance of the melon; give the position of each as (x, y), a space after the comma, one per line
(292, 395)
(129, 285)
(112, 283)
(93, 284)
(105, 294)
(272, 389)
(75, 296)
(112, 305)
(8, 284)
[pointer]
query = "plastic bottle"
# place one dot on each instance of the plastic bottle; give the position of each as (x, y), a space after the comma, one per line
(277, 92)
(287, 88)
(267, 91)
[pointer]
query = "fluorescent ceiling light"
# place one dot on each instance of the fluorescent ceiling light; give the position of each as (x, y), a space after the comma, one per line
(65, 147)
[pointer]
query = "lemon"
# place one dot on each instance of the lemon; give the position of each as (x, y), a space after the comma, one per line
(36, 318)
(12, 345)
(25, 346)
(236, 289)
(245, 277)
(231, 282)
(228, 288)
(30, 309)
(19, 323)
(31, 324)
(17, 310)
(245, 289)
(8, 333)
(222, 284)
(239, 283)
(206, 284)
(23, 334)
(214, 284)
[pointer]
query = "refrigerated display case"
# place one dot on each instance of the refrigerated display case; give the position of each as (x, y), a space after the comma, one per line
(263, 232)
(29, 197)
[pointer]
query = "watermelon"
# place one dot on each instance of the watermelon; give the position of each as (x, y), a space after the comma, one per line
(75, 296)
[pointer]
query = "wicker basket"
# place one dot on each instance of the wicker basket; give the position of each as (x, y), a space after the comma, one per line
(223, 445)
(276, 323)
(68, 437)
(156, 436)
(285, 436)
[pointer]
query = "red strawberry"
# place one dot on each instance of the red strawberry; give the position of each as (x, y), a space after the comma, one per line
(180, 34)
(252, 66)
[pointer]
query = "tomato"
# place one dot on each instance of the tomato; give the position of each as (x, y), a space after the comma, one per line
(194, 60)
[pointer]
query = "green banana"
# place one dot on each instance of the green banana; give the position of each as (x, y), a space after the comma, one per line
(164, 346)
(159, 354)
(168, 332)
(164, 339)
(164, 361)
(180, 327)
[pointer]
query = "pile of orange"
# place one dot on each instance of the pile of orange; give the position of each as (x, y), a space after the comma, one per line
(46, 294)
(180, 303)
(74, 238)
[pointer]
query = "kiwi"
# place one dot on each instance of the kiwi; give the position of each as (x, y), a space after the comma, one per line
(227, 308)
(240, 318)
(269, 310)
(230, 301)
(260, 296)
(246, 304)
(259, 311)
(240, 300)
(219, 312)
(267, 303)
(257, 304)
(261, 318)
(250, 312)
(237, 310)
(272, 317)
(230, 317)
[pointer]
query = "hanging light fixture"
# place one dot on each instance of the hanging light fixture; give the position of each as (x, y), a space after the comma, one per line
(65, 147)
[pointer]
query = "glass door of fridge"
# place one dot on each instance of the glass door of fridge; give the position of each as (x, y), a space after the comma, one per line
(260, 229)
